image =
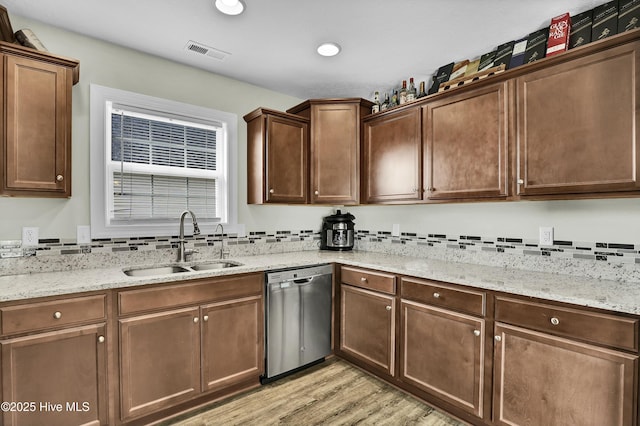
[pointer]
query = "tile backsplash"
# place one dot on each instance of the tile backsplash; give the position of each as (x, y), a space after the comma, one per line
(605, 259)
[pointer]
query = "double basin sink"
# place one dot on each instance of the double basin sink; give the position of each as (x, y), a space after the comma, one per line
(178, 268)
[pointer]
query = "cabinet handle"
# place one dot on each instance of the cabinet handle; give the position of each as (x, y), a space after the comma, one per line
(555, 321)
(195, 319)
(436, 295)
(316, 192)
(101, 339)
(388, 308)
(498, 338)
(205, 318)
(271, 191)
(476, 333)
(57, 314)
(59, 178)
(363, 279)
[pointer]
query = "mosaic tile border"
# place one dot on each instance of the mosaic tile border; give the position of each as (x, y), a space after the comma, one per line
(598, 251)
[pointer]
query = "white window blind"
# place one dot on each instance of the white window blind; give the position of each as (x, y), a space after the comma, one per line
(162, 166)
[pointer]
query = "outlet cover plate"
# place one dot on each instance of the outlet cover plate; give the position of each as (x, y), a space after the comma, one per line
(83, 234)
(30, 236)
(546, 235)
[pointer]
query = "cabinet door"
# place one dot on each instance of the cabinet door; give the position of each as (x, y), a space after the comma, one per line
(392, 158)
(577, 125)
(545, 380)
(466, 144)
(232, 342)
(335, 142)
(443, 354)
(367, 328)
(63, 374)
(287, 160)
(159, 360)
(37, 131)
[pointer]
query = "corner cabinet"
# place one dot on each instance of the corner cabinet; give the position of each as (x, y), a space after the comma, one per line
(35, 159)
(277, 157)
(392, 157)
(578, 125)
(334, 148)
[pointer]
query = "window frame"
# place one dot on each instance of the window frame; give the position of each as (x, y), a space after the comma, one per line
(100, 118)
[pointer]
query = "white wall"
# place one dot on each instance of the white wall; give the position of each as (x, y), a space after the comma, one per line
(612, 220)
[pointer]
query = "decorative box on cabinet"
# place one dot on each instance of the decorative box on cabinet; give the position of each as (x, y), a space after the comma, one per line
(335, 148)
(35, 159)
(392, 157)
(54, 361)
(277, 157)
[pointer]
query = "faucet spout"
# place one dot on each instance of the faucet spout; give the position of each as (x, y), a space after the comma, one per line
(222, 250)
(182, 252)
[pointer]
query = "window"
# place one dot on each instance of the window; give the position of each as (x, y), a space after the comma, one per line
(151, 159)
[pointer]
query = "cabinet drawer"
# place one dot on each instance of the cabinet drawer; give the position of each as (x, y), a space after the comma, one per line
(189, 293)
(378, 281)
(443, 295)
(604, 329)
(56, 313)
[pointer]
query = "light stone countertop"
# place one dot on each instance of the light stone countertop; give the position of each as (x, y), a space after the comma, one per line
(605, 294)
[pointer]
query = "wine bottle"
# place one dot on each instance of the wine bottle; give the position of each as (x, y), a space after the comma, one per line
(385, 104)
(411, 92)
(422, 93)
(376, 103)
(402, 99)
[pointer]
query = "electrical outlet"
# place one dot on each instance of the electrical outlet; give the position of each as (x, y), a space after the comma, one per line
(546, 235)
(241, 230)
(29, 236)
(83, 234)
(395, 231)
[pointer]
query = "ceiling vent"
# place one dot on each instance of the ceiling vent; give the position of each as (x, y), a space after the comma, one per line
(201, 49)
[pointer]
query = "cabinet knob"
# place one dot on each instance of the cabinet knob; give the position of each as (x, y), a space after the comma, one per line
(498, 338)
(271, 191)
(388, 308)
(195, 319)
(101, 339)
(363, 279)
(57, 314)
(316, 192)
(476, 333)
(555, 321)
(436, 295)
(205, 318)
(59, 178)
(520, 181)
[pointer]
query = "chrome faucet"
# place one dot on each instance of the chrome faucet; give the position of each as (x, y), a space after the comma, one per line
(182, 252)
(222, 250)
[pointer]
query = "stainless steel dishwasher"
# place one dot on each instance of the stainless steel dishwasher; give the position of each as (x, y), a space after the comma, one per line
(298, 319)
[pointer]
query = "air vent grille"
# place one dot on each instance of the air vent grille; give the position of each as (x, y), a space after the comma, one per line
(201, 49)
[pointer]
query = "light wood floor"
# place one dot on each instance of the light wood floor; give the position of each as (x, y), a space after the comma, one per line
(332, 393)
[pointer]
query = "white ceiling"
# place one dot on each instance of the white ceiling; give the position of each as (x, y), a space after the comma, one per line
(272, 44)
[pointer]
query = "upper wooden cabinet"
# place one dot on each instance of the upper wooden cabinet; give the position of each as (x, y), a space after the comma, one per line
(277, 157)
(35, 159)
(466, 144)
(577, 125)
(392, 157)
(334, 148)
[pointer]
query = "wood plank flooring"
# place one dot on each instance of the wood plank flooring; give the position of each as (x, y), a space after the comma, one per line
(332, 393)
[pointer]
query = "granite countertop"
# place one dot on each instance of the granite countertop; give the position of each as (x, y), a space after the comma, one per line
(605, 294)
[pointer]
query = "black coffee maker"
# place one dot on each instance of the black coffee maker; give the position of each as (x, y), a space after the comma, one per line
(337, 232)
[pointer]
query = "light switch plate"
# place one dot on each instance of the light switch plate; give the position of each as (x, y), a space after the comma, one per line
(83, 234)
(395, 231)
(30, 236)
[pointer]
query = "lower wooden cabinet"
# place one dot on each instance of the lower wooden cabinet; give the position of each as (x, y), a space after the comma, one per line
(541, 379)
(442, 353)
(178, 353)
(56, 378)
(367, 328)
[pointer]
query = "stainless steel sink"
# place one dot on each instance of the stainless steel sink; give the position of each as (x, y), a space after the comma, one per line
(177, 269)
(221, 264)
(160, 270)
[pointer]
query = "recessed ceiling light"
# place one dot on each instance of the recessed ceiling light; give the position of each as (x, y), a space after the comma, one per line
(329, 49)
(230, 7)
